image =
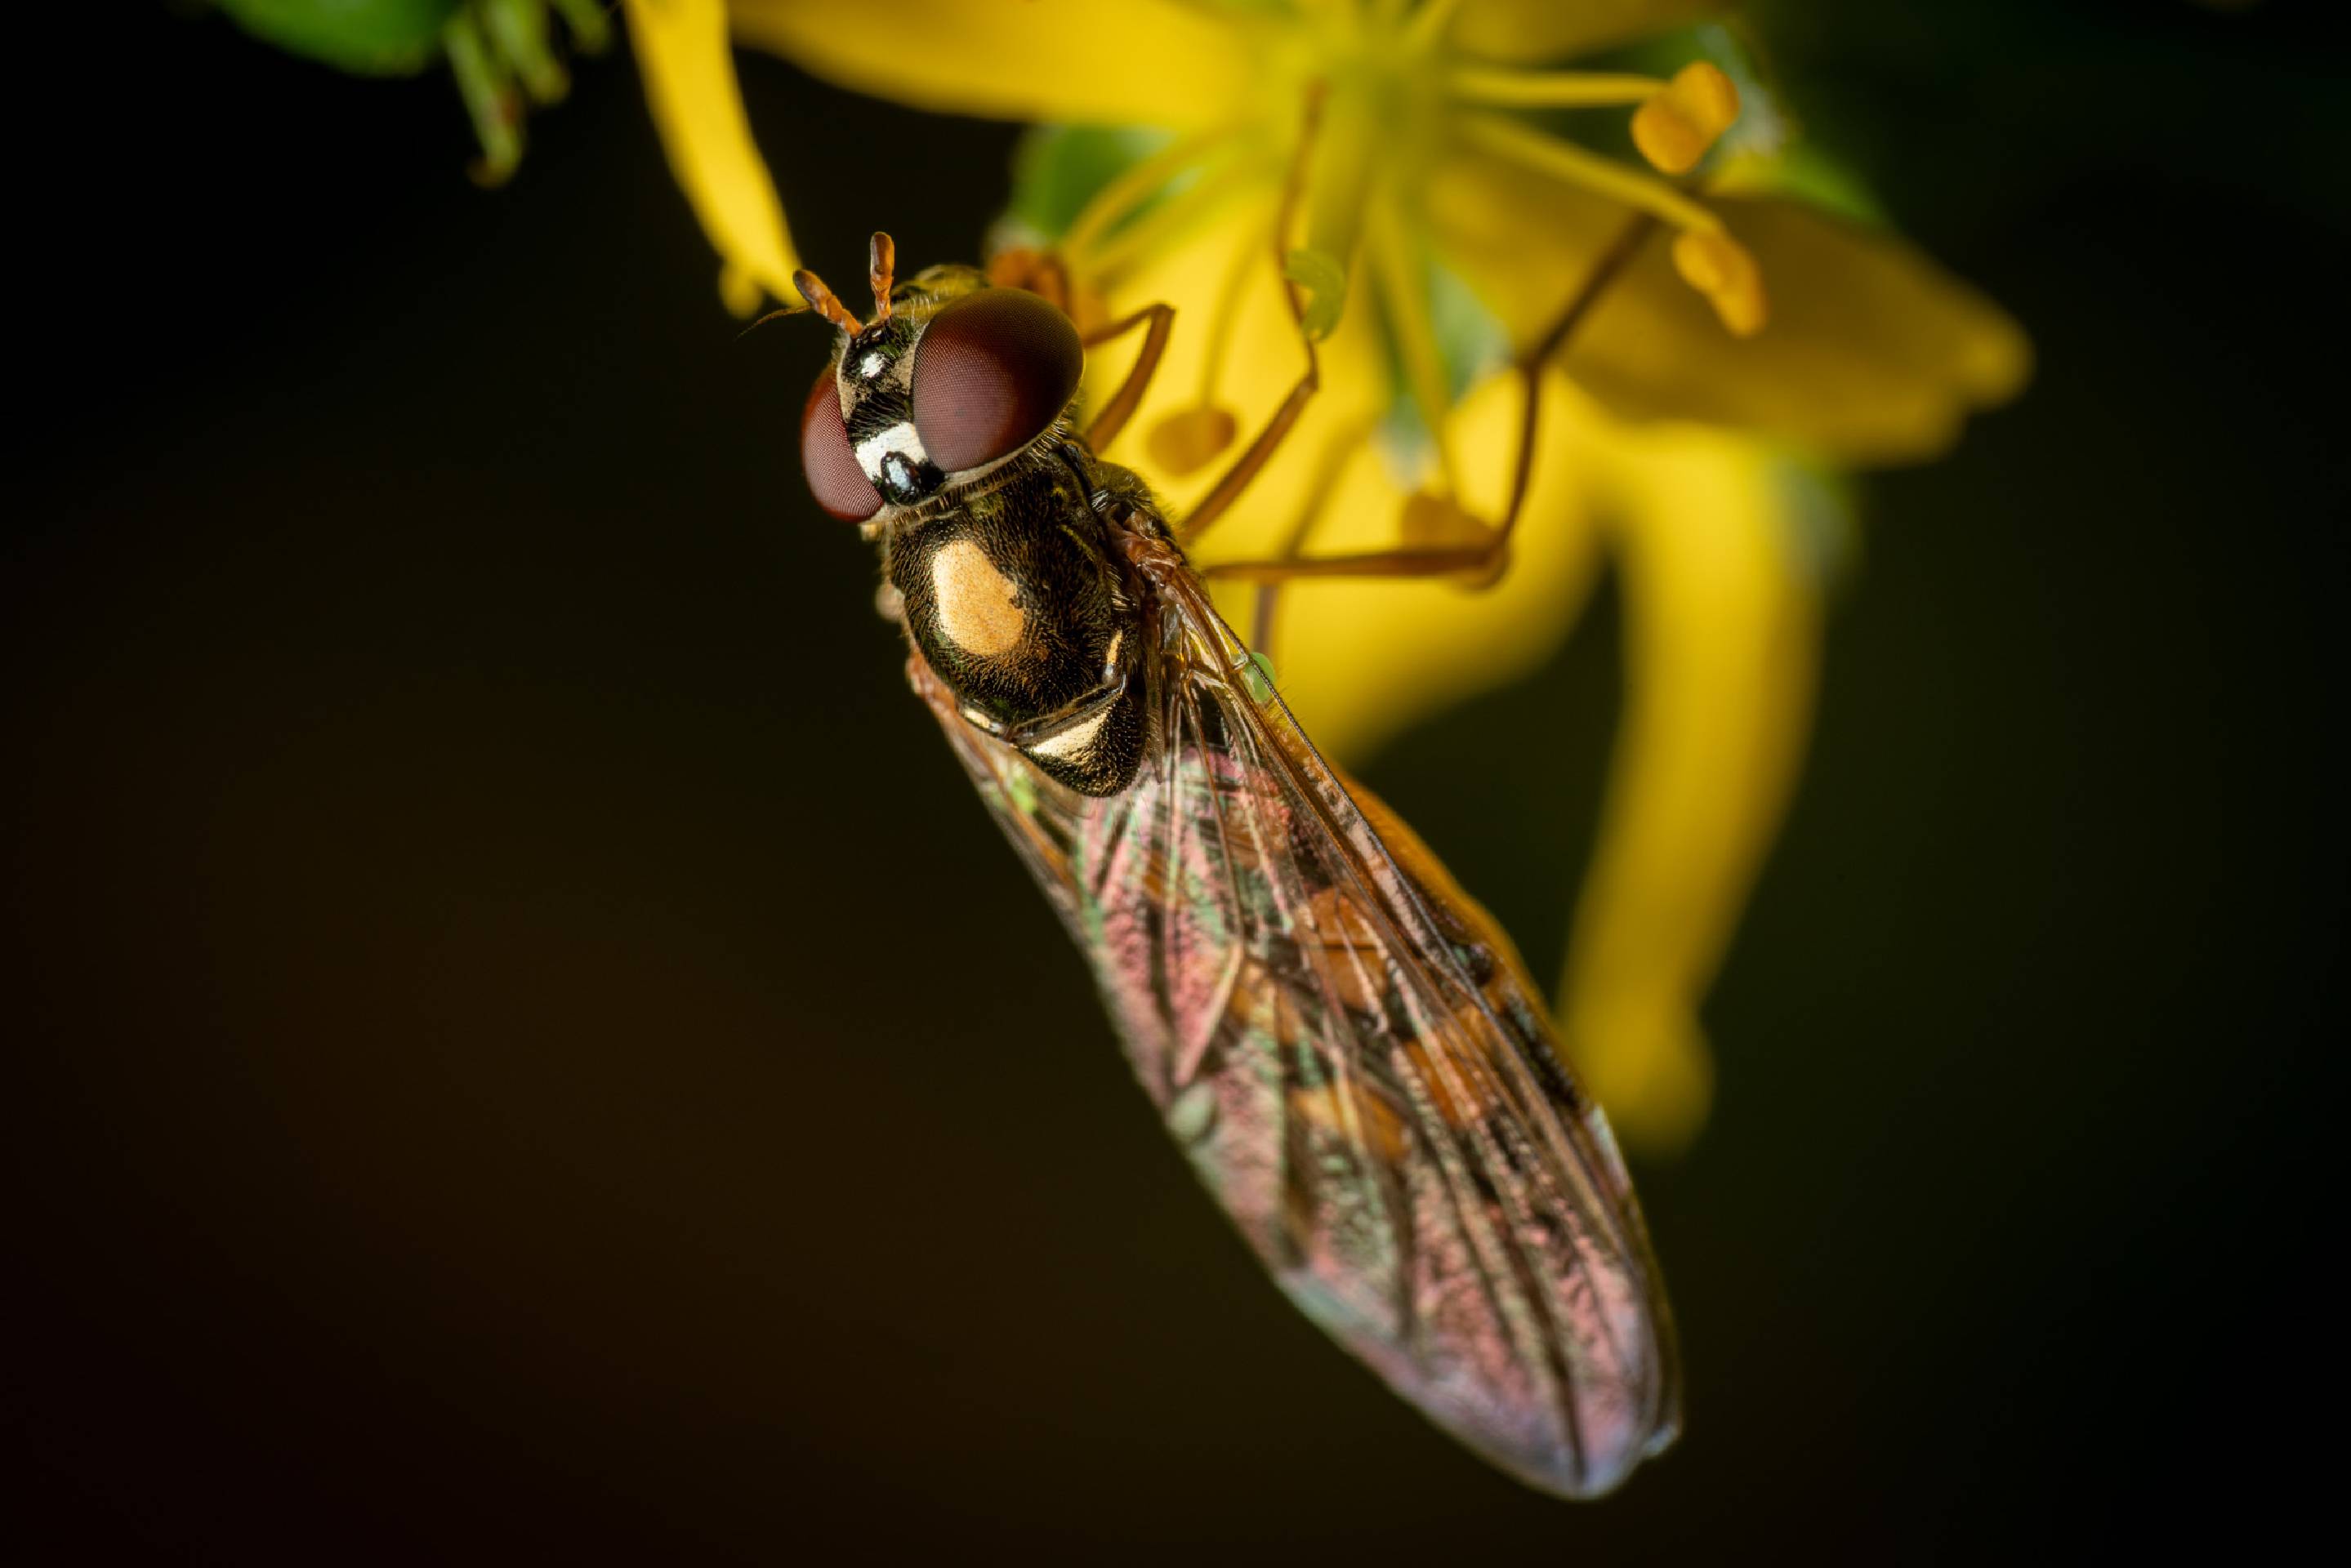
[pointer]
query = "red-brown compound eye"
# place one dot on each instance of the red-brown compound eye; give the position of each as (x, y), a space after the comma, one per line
(839, 485)
(993, 370)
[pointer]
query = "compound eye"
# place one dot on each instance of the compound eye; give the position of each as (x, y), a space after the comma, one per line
(993, 370)
(839, 485)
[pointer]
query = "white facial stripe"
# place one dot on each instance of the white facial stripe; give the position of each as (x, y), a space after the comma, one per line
(899, 437)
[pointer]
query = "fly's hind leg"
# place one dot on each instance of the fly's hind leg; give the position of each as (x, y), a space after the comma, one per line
(1480, 562)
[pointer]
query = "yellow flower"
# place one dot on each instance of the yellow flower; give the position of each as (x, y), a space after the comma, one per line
(1443, 221)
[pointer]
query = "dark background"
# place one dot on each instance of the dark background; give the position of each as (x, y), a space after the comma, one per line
(531, 1045)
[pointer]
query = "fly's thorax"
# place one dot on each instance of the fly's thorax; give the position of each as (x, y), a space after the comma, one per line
(1014, 600)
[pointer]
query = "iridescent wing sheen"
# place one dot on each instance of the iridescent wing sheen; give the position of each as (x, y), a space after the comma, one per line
(1351, 1056)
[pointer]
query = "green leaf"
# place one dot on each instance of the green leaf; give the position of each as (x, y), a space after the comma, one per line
(366, 37)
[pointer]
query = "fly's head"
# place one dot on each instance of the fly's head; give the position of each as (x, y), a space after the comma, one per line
(950, 380)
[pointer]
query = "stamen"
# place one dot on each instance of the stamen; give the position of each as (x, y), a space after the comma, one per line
(1189, 439)
(1719, 267)
(1429, 523)
(1338, 187)
(1675, 129)
(1151, 233)
(1601, 176)
(1427, 30)
(1135, 185)
(1226, 316)
(1405, 297)
(1708, 258)
(1505, 88)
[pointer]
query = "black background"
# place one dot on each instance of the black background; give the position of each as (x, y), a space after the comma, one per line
(531, 1045)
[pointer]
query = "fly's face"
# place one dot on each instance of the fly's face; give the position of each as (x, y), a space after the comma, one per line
(948, 382)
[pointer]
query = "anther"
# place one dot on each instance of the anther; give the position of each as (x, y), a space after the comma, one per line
(1189, 439)
(1719, 267)
(1675, 129)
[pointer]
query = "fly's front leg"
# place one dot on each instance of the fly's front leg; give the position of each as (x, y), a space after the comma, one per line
(1040, 272)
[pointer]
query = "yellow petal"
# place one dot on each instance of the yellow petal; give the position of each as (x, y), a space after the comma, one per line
(1722, 629)
(1533, 30)
(1675, 129)
(689, 72)
(1873, 353)
(1115, 62)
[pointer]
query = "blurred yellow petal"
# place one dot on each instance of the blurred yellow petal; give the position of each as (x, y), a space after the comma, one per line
(1533, 30)
(1113, 62)
(689, 72)
(1722, 632)
(1872, 354)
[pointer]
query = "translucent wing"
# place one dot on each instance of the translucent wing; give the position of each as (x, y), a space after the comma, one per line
(1351, 1056)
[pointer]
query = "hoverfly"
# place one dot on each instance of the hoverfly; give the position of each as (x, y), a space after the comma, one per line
(1348, 1048)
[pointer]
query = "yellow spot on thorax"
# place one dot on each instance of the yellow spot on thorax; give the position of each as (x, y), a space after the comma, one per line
(978, 608)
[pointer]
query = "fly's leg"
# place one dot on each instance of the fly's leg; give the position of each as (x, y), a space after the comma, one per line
(1482, 562)
(1260, 451)
(1040, 272)
(1320, 490)
(1123, 403)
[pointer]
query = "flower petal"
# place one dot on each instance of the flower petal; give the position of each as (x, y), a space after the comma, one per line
(1722, 630)
(1533, 30)
(1116, 62)
(688, 66)
(1873, 354)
